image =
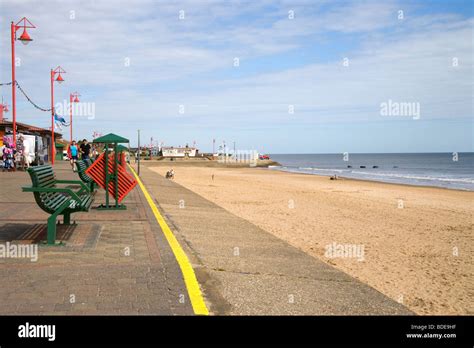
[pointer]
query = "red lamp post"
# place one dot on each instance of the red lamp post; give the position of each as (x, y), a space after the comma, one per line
(25, 39)
(73, 98)
(59, 79)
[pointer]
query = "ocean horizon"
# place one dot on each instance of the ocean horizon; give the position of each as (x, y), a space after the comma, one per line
(452, 170)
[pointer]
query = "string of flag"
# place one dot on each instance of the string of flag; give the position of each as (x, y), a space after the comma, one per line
(26, 96)
(29, 99)
(59, 120)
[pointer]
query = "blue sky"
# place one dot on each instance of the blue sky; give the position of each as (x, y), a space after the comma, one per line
(282, 62)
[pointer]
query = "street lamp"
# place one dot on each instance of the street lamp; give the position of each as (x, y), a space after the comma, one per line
(73, 98)
(58, 79)
(25, 39)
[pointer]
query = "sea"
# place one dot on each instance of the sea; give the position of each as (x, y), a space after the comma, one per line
(447, 170)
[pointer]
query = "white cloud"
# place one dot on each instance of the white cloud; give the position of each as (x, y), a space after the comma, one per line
(190, 61)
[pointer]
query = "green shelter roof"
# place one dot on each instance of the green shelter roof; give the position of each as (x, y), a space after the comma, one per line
(122, 148)
(111, 138)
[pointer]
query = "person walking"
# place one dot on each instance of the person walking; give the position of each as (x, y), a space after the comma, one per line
(72, 153)
(85, 149)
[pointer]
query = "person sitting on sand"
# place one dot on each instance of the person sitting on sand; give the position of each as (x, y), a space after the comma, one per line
(170, 174)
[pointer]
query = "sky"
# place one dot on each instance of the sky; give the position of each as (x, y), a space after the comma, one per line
(276, 76)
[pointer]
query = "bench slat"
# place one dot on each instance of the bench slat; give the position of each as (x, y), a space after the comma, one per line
(82, 166)
(52, 198)
(55, 203)
(43, 177)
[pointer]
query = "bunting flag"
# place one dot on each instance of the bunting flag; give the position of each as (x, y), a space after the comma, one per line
(60, 121)
(96, 134)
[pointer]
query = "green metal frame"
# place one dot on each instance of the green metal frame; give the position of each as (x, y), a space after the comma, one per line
(82, 165)
(84, 187)
(114, 177)
(108, 140)
(63, 209)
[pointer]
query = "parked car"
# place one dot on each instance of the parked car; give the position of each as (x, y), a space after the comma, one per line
(264, 157)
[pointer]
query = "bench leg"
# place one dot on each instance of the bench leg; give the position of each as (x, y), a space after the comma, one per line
(52, 222)
(67, 218)
(52, 229)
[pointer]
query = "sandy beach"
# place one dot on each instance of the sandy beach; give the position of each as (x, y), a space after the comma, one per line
(413, 244)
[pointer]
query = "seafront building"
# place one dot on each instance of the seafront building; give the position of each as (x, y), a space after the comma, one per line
(172, 151)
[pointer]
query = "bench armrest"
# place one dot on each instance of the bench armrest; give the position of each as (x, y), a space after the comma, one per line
(75, 182)
(70, 192)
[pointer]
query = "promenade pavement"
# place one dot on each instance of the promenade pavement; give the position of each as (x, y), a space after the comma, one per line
(112, 262)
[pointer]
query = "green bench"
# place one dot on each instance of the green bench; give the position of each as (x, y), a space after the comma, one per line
(82, 165)
(57, 200)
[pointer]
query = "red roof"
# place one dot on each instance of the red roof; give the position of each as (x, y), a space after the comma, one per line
(27, 127)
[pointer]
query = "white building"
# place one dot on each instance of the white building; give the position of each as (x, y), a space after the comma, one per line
(179, 151)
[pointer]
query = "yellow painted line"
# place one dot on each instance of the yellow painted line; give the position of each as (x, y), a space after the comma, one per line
(192, 285)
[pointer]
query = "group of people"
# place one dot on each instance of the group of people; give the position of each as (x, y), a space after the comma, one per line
(15, 157)
(83, 151)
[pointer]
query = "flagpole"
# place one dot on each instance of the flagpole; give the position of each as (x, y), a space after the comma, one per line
(138, 152)
(52, 118)
(70, 116)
